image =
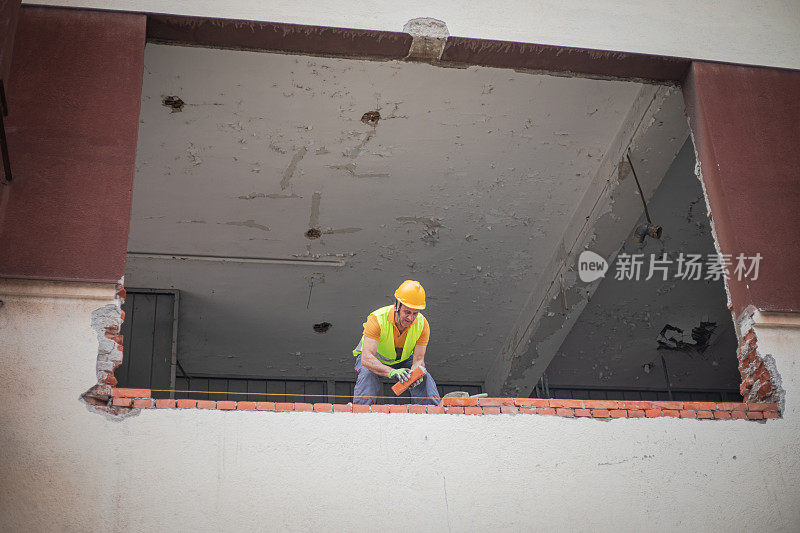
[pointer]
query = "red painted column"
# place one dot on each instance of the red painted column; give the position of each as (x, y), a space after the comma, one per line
(74, 93)
(746, 127)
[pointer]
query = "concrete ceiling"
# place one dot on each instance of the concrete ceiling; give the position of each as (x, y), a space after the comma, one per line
(466, 183)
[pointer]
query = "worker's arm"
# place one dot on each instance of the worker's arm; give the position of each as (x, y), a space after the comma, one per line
(369, 347)
(419, 356)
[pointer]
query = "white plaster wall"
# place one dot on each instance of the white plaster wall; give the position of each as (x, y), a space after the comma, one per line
(65, 468)
(757, 32)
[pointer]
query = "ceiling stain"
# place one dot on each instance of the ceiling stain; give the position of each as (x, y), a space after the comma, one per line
(289, 172)
(248, 224)
(274, 196)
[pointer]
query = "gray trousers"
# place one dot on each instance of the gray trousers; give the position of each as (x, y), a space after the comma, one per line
(368, 385)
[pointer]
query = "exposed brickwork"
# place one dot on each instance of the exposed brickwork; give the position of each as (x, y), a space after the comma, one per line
(127, 399)
(106, 322)
(757, 384)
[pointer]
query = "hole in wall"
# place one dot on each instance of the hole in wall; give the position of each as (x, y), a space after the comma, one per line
(174, 103)
(322, 327)
(371, 118)
(313, 233)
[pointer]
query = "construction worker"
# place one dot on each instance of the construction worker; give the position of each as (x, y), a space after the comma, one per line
(393, 344)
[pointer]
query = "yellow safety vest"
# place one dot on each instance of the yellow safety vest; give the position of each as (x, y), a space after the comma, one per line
(386, 349)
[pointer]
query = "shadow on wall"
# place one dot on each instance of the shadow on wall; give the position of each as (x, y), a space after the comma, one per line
(629, 324)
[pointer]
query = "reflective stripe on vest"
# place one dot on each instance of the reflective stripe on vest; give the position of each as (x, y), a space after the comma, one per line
(386, 349)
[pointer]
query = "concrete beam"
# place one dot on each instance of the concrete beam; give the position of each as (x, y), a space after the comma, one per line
(655, 130)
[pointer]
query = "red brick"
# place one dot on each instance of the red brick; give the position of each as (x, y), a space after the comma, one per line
(572, 404)
(764, 376)
(206, 404)
(460, 402)
(455, 410)
(342, 408)
(435, 409)
(700, 406)
(143, 403)
(245, 406)
(491, 410)
(671, 412)
(527, 410)
(751, 415)
(381, 408)
(636, 413)
(116, 337)
(226, 405)
(618, 413)
(600, 404)
(626, 404)
(565, 411)
(509, 410)
(185, 404)
(284, 406)
(122, 402)
(771, 414)
(583, 412)
(532, 402)
(401, 386)
(323, 407)
(303, 406)
(731, 406)
(651, 413)
(131, 393)
(398, 408)
(495, 402)
(546, 411)
(108, 379)
(600, 413)
(738, 415)
(705, 414)
(417, 409)
(360, 408)
(666, 405)
(762, 406)
(764, 390)
(722, 415)
(165, 403)
(751, 336)
(473, 411)
(265, 406)
(744, 389)
(688, 413)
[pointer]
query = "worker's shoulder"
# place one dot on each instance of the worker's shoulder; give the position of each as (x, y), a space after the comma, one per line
(425, 323)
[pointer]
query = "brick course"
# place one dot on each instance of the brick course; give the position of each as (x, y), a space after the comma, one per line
(599, 409)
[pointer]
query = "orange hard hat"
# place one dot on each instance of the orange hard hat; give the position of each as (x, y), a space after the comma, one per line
(411, 294)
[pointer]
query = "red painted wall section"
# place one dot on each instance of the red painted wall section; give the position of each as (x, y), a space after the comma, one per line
(746, 127)
(9, 13)
(75, 86)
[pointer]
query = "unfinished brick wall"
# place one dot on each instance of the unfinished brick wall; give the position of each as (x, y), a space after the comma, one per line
(757, 380)
(129, 399)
